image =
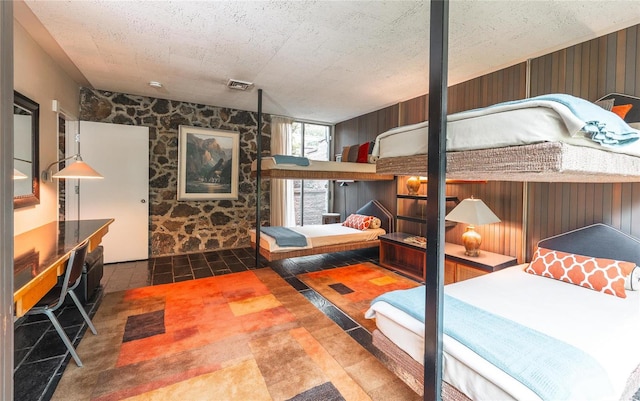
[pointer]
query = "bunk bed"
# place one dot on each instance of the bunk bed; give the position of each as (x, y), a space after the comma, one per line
(306, 169)
(327, 238)
(551, 138)
(591, 336)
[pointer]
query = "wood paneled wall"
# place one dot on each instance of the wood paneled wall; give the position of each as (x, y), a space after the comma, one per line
(357, 131)
(589, 70)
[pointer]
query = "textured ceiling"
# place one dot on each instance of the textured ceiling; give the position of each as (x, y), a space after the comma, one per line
(316, 60)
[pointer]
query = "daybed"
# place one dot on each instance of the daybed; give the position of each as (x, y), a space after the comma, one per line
(551, 138)
(572, 342)
(328, 238)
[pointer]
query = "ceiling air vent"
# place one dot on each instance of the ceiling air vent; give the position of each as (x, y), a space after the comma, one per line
(239, 85)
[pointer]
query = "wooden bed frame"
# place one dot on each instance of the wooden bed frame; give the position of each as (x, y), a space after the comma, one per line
(408, 369)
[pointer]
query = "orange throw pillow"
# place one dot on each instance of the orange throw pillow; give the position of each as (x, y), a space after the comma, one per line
(603, 275)
(622, 110)
(358, 221)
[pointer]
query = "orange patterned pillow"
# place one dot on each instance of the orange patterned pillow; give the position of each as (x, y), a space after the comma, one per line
(603, 275)
(358, 221)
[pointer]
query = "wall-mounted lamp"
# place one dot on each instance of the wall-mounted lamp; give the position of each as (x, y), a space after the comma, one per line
(77, 169)
(475, 213)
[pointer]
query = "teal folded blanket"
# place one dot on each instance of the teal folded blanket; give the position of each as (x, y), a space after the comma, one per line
(600, 125)
(285, 236)
(546, 365)
(286, 159)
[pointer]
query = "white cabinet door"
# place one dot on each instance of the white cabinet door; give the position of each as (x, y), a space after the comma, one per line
(121, 154)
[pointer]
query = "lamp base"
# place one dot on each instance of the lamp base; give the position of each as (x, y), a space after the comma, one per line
(471, 240)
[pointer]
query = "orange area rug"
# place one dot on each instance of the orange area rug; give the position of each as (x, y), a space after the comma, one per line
(242, 336)
(352, 288)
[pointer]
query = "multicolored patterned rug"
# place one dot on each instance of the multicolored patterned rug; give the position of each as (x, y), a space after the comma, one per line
(352, 288)
(243, 336)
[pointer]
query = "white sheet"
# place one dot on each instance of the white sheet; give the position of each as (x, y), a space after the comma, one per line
(268, 163)
(504, 126)
(604, 326)
(321, 235)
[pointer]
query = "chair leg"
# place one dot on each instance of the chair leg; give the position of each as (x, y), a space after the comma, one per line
(63, 336)
(82, 312)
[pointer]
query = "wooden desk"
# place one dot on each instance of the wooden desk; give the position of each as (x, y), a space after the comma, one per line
(40, 256)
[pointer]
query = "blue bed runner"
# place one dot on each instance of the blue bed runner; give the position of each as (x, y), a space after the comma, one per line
(548, 366)
(285, 236)
(286, 159)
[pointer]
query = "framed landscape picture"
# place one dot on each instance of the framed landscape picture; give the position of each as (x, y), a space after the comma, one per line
(208, 163)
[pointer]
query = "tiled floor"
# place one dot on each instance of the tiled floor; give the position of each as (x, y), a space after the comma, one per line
(41, 357)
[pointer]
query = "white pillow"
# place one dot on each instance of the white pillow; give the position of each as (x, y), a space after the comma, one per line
(632, 281)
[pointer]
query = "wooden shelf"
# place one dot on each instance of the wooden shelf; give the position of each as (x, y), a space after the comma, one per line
(409, 258)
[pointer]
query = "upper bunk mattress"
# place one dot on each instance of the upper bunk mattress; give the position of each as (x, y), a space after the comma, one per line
(318, 170)
(533, 140)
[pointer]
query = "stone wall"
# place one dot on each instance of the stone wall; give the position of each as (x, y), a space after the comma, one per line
(178, 227)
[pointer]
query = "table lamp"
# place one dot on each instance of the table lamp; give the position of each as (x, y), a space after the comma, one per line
(473, 212)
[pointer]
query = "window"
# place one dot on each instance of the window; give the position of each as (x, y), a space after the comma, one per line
(311, 196)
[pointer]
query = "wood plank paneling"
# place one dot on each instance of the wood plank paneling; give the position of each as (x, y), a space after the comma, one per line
(591, 70)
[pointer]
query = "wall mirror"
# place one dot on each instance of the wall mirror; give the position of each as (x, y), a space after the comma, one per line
(26, 123)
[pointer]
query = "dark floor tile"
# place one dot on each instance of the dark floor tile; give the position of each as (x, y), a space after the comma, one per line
(226, 252)
(18, 357)
(183, 278)
(212, 256)
(31, 380)
(180, 260)
(49, 346)
(182, 270)
(195, 256)
(163, 259)
(163, 268)
(297, 284)
(217, 265)
(199, 263)
(163, 278)
(363, 337)
(316, 299)
(339, 317)
(26, 335)
(70, 316)
(202, 273)
(237, 267)
(231, 260)
(221, 272)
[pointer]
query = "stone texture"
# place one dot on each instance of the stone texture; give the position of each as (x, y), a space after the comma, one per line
(178, 227)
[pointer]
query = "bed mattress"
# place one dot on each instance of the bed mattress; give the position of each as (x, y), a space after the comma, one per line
(318, 170)
(320, 235)
(537, 143)
(603, 326)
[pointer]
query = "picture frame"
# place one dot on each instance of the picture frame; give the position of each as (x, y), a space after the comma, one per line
(208, 163)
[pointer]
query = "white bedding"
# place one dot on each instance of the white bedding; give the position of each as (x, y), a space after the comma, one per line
(268, 163)
(495, 127)
(604, 326)
(321, 235)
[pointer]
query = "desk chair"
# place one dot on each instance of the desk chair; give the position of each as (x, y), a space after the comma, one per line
(54, 299)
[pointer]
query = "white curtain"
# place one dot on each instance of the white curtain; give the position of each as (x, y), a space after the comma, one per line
(282, 203)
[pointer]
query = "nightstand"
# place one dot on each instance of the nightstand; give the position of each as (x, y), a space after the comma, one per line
(409, 258)
(330, 218)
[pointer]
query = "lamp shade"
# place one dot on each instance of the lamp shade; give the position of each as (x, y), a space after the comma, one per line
(472, 211)
(77, 169)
